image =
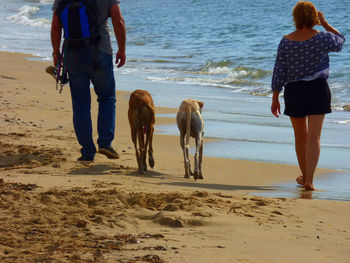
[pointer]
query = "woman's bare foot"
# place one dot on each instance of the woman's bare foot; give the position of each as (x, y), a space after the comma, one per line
(300, 180)
(309, 187)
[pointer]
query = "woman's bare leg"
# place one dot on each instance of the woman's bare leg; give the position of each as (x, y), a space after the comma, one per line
(300, 134)
(313, 149)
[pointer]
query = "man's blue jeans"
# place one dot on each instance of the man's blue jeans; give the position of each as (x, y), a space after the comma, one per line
(82, 69)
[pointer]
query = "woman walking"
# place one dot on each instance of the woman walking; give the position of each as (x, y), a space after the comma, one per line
(302, 68)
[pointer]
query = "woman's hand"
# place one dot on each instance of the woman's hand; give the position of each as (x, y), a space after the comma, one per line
(275, 106)
(321, 18)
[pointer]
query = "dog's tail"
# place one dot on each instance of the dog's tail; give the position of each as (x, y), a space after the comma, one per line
(188, 127)
(147, 115)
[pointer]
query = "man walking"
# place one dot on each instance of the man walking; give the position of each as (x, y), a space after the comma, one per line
(92, 62)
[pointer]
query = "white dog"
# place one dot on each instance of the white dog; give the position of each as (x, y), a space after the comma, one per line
(190, 123)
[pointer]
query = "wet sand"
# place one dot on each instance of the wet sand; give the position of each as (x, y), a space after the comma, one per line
(53, 209)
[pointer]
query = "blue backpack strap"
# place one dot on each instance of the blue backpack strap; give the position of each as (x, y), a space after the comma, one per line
(63, 15)
(84, 23)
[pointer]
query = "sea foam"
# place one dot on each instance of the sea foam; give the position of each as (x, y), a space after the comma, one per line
(25, 14)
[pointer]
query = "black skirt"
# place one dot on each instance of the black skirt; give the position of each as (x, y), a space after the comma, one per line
(303, 98)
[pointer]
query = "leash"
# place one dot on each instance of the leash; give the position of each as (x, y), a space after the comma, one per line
(61, 69)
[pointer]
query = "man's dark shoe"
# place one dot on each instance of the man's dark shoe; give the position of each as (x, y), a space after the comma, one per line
(85, 159)
(109, 152)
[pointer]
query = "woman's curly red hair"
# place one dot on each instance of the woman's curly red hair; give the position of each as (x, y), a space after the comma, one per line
(305, 14)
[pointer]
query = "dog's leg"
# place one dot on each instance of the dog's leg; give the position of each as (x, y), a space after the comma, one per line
(189, 171)
(150, 151)
(200, 159)
(133, 120)
(181, 124)
(142, 166)
(187, 140)
(185, 153)
(148, 132)
(196, 157)
(148, 120)
(137, 151)
(138, 136)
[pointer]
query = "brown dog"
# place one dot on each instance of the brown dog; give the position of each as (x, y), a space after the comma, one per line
(142, 118)
(191, 124)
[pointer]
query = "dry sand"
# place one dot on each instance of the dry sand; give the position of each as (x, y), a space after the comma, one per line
(54, 209)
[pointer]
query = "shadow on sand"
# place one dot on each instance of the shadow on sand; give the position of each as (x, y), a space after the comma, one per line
(99, 169)
(103, 169)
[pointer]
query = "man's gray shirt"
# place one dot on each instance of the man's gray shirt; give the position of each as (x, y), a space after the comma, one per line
(102, 13)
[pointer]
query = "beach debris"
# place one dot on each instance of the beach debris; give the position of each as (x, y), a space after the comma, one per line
(233, 209)
(277, 212)
(165, 220)
(81, 224)
(155, 248)
(28, 156)
(150, 258)
(16, 186)
(7, 77)
(202, 214)
(123, 239)
(200, 194)
(146, 236)
(247, 215)
(223, 195)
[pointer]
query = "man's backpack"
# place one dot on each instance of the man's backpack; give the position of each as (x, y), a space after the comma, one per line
(79, 22)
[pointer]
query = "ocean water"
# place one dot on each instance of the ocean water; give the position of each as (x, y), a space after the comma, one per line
(221, 52)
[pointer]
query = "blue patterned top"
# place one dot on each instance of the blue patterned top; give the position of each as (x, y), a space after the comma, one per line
(297, 60)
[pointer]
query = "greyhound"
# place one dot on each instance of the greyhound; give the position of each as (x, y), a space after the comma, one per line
(190, 123)
(142, 118)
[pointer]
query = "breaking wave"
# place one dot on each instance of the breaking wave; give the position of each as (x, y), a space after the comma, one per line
(25, 17)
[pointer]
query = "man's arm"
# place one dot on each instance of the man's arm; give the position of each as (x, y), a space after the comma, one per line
(56, 35)
(120, 34)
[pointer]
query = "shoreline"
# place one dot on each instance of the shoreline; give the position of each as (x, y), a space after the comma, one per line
(185, 221)
(279, 172)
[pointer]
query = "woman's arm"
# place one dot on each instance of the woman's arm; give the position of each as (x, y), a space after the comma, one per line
(334, 40)
(325, 25)
(278, 80)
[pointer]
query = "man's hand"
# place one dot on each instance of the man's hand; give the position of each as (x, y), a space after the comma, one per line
(120, 33)
(55, 57)
(120, 58)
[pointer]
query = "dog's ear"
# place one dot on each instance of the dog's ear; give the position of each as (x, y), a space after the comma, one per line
(200, 103)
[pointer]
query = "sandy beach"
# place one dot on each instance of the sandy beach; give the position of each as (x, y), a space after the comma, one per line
(54, 209)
